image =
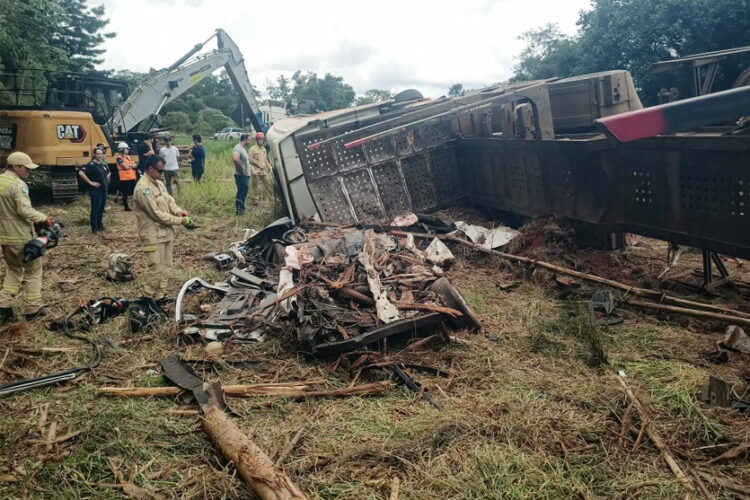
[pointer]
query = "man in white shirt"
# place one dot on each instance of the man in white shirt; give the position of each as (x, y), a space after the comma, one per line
(170, 154)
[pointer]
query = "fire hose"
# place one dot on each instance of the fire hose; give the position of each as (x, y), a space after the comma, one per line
(95, 312)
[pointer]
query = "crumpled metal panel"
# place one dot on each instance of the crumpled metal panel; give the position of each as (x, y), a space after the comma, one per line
(410, 172)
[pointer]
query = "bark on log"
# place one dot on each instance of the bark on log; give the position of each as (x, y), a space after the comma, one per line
(689, 312)
(455, 300)
(254, 466)
(655, 438)
(294, 391)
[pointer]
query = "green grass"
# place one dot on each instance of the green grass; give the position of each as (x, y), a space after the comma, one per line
(525, 417)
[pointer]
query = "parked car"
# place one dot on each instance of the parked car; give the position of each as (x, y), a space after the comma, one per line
(229, 133)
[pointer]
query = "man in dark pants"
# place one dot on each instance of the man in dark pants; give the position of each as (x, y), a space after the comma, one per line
(96, 175)
(241, 173)
(145, 151)
(198, 152)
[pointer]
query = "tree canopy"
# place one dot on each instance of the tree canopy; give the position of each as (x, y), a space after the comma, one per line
(632, 34)
(62, 35)
(329, 92)
(374, 95)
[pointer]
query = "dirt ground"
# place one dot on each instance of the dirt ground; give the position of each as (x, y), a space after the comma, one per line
(534, 409)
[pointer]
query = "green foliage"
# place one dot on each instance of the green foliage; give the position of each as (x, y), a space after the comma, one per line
(51, 34)
(27, 35)
(456, 90)
(613, 34)
(374, 95)
(283, 89)
(329, 92)
(177, 121)
(548, 53)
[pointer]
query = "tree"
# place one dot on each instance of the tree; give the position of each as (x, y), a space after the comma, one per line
(27, 37)
(62, 35)
(456, 90)
(281, 91)
(177, 121)
(548, 53)
(328, 93)
(79, 34)
(374, 95)
(614, 35)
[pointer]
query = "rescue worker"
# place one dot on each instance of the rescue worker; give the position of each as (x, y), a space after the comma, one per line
(156, 212)
(126, 170)
(260, 166)
(17, 221)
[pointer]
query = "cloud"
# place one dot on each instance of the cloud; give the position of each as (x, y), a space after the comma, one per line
(391, 44)
(344, 56)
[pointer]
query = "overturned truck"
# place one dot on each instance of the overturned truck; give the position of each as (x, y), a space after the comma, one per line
(560, 146)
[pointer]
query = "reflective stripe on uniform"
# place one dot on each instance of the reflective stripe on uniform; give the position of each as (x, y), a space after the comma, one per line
(150, 248)
(10, 240)
(32, 296)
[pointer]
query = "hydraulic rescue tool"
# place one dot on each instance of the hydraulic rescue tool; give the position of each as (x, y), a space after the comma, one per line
(49, 234)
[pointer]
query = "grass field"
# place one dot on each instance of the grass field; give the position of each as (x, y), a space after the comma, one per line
(532, 412)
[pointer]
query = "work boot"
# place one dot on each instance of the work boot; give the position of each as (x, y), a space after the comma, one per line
(125, 204)
(40, 313)
(6, 315)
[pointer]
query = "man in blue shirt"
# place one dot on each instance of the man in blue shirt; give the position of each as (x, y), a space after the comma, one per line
(198, 152)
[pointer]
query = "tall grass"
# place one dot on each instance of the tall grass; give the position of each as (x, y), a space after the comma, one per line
(214, 195)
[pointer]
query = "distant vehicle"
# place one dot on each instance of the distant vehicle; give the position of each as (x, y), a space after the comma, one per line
(229, 134)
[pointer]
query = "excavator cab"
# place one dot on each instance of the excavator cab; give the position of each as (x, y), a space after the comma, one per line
(57, 118)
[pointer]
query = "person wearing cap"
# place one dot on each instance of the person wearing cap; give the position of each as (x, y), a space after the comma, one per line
(96, 175)
(157, 213)
(125, 172)
(145, 151)
(171, 154)
(259, 164)
(17, 221)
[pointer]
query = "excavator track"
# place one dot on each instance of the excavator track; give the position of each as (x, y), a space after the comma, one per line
(64, 184)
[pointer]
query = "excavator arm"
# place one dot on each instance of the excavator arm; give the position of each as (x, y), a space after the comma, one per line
(163, 86)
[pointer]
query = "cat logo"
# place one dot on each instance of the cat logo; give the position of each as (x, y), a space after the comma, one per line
(74, 133)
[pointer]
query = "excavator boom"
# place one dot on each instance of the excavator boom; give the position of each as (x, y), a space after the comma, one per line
(163, 86)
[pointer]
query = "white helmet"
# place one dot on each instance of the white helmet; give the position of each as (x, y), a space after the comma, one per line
(122, 145)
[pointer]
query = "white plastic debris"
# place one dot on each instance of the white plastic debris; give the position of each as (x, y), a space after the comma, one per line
(438, 253)
(387, 312)
(488, 238)
(405, 220)
(286, 283)
(295, 258)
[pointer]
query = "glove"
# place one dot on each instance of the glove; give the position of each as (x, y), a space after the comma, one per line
(190, 223)
(38, 226)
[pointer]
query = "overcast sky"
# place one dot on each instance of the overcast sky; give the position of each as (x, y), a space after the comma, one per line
(384, 44)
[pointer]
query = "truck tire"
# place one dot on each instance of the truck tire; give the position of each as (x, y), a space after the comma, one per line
(64, 183)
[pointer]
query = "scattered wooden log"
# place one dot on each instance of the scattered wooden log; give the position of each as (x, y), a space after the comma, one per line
(655, 438)
(243, 390)
(254, 466)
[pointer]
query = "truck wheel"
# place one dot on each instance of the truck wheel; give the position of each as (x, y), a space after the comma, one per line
(64, 183)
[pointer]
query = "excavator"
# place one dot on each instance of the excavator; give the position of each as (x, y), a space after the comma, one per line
(58, 118)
